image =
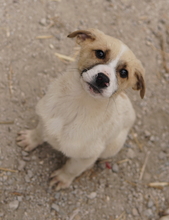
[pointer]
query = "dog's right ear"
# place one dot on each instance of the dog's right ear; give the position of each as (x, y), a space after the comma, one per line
(82, 36)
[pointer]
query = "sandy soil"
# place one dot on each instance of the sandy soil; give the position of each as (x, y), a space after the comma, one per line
(28, 64)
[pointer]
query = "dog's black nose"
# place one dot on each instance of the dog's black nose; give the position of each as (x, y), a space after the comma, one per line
(102, 80)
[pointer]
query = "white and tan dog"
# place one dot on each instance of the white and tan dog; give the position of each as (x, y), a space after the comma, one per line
(85, 113)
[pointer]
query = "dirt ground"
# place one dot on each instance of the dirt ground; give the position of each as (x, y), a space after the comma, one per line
(31, 32)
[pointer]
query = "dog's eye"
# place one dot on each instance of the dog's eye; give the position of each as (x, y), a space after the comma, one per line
(100, 54)
(123, 73)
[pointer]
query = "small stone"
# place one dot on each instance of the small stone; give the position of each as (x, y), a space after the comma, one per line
(51, 46)
(148, 213)
(152, 138)
(130, 153)
(135, 212)
(147, 133)
(34, 157)
(57, 195)
(162, 155)
(150, 204)
(42, 21)
(5, 178)
(55, 207)
(115, 168)
(20, 198)
(22, 165)
(24, 153)
(27, 179)
(26, 158)
(30, 174)
(14, 204)
(92, 195)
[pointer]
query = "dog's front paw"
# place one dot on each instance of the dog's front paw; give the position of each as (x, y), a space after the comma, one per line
(25, 140)
(61, 179)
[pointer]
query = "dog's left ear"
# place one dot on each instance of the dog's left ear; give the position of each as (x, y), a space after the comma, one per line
(139, 83)
(82, 36)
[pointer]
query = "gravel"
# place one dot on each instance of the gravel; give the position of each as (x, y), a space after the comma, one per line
(27, 67)
(92, 195)
(43, 22)
(21, 165)
(130, 153)
(14, 204)
(115, 168)
(135, 212)
(55, 207)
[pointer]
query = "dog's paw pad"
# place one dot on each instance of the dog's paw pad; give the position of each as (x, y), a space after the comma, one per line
(60, 179)
(24, 140)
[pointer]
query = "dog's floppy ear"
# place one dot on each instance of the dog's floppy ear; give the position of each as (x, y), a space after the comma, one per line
(82, 35)
(139, 79)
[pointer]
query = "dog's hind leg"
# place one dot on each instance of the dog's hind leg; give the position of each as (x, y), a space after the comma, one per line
(115, 145)
(30, 139)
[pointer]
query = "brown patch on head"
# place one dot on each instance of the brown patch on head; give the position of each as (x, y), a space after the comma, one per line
(135, 70)
(122, 82)
(92, 40)
(121, 65)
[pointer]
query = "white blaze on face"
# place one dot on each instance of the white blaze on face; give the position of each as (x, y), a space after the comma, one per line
(108, 69)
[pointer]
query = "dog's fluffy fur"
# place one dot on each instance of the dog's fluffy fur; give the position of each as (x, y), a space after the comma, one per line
(81, 119)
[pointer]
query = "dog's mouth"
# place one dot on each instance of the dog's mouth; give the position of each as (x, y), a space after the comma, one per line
(93, 88)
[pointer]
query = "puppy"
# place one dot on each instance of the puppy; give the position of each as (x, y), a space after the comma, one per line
(85, 113)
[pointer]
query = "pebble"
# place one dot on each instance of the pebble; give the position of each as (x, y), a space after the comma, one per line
(150, 204)
(135, 212)
(148, 213)
(22, 165)
(26, 158)
(5, 178)
(92, 195)
(30, 174)
(14, 204)
(42, 21)
(152, 138)
(57, 195)
(147, 133)
(130, 153)
(34, 157)
(27, 179)
(20, 198)
(115, 168)
(55, 207)
(162, 155)
(51, 46)
(24, 153)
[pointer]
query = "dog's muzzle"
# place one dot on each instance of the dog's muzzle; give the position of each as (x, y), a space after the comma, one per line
(102, 81)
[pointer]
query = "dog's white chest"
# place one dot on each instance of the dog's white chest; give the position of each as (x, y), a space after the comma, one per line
(78, 133)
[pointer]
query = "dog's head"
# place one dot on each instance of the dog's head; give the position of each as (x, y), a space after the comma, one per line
(107, 66)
